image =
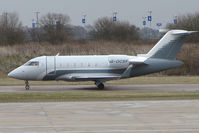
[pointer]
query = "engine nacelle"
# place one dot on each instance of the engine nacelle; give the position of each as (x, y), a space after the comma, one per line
(118, 61)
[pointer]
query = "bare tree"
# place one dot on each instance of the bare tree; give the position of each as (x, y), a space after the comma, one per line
(11, 30)
(55, 28)
(106, 29)
(188, 22)
(36, 34)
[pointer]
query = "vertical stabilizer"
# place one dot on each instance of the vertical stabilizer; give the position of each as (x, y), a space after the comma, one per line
(169, 46)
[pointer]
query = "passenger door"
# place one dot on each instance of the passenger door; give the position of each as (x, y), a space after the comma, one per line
(50, 65)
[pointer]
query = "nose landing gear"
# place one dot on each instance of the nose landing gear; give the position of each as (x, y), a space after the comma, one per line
(27, 87)
(99, 85)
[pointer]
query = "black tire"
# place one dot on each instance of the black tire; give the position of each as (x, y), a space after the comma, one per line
(27, 87)
(100, 86)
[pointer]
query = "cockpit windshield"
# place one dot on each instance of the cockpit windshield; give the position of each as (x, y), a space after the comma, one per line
(32, 63)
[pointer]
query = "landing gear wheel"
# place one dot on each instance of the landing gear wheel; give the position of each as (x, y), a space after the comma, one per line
(100, 86)
(27, 87)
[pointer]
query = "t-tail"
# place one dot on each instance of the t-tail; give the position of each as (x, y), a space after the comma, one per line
(163, 55)
(169, 46)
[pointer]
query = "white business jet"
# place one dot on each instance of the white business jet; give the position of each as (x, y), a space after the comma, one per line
(101, 69)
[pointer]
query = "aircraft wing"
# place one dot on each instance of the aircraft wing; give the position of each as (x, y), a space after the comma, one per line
(89, 76)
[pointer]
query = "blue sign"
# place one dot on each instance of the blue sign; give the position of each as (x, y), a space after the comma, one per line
(83, 20)
(150, 18)
(144, 22)
(33, 25)
(159, 24)
(114, 18)
(175, 21)
(57, 22)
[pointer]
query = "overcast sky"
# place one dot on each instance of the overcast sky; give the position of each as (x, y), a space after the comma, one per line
(129, 10)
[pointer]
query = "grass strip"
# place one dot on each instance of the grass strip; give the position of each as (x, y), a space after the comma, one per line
(4, 81)
(95, 96)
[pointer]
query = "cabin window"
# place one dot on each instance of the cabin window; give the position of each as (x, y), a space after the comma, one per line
(32, 63)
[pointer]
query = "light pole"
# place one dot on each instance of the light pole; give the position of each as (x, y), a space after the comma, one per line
(84, 19)
(37, 17)
(144, 21)
(115, 16)
(5, 15)
(33, 24)
(150, 20)
(150, 17)
(175, 21)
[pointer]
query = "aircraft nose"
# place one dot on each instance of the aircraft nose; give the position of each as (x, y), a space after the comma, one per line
(12, 74)
(16, 74)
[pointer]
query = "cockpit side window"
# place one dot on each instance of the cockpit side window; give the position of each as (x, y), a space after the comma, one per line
(32, 63)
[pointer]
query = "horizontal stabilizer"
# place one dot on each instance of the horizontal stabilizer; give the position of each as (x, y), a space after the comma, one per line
(183, 32)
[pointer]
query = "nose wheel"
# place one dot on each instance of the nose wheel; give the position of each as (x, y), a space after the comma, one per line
(27, 86)
(99, 85)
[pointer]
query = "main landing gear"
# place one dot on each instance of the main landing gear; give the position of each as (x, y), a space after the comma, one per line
(99, 85)
(27, 87)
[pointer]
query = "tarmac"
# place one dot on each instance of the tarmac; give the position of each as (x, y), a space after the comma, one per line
(176, 116)
(101, 117)
(156, 87)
